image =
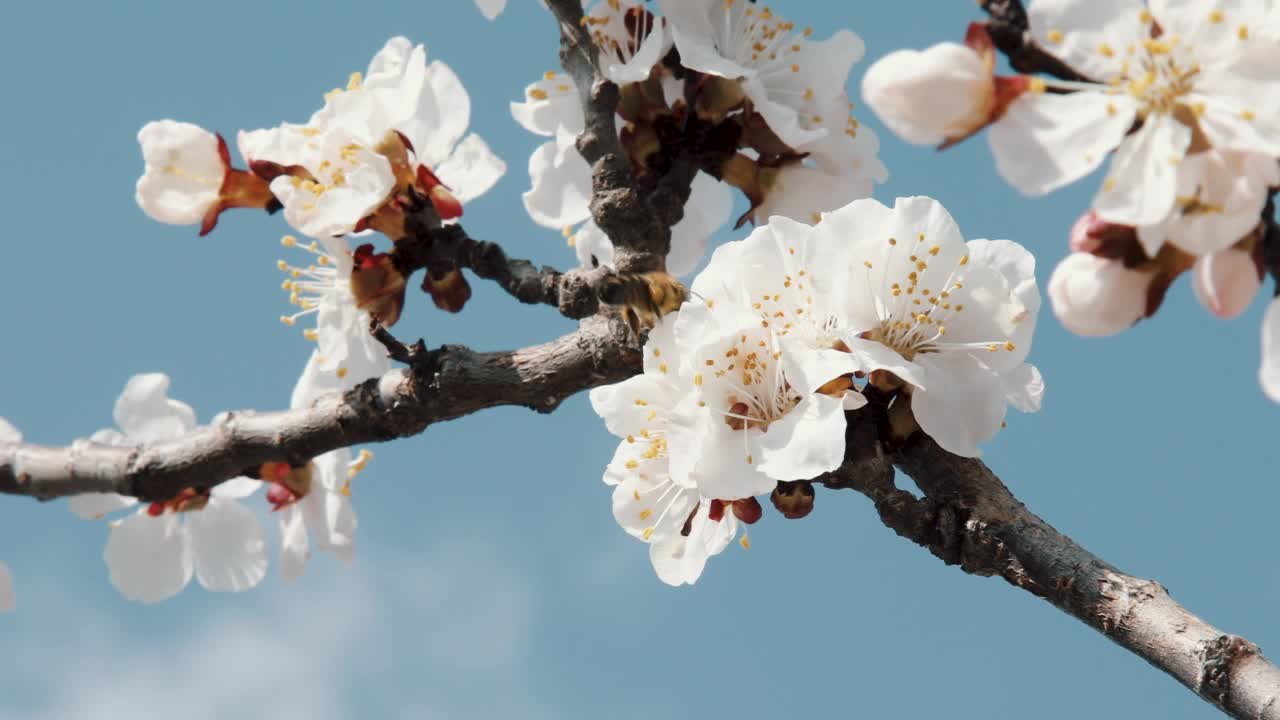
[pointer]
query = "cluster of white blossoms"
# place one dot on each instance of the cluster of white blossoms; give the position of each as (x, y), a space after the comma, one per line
(747, 384)
(399, 127)
(1183, 93)
(802, 153)
(154, 552)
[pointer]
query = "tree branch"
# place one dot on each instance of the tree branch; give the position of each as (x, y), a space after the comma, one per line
(450, 382)
(967, 517)
(617, 204)
(573, 292)
(1011, 33)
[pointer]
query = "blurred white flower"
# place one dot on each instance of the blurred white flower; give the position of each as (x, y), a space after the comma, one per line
(153, 554)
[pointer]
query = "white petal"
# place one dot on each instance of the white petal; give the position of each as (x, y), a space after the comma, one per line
(491, 8)
(561, 186)
(807, 441)
(710, 204)
(1096, 297)
(550, 104)
(295, 550)
(1024, 388)
(1045, 141)
(1141, 187)
(1269, 372)
(471, 170)
(146, 414)
(9, 433)
(95, 506)
(227, 547)
(1077, 30)
(237, 488)
(729, 463)
(964, 405)
(8, 600)
(871, 355)
(149, 558)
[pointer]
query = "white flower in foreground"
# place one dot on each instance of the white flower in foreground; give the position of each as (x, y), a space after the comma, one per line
(1096, 296)
(765, 371)
(491, 8)
(630, 38)
(646, 411)
(930, 96)
(153, 553)
(346, 351)
(953, 320)
(1195, 75)
(784, 74)
(1220, 196)
(188, 178)
(8, 600)
(345, 171)
(560, 195)
(1269, 371)
(1226, 281)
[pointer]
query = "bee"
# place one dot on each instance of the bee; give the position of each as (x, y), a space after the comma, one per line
(645, 297)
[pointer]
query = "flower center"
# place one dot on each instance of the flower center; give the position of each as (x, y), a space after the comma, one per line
(914, 305)
(621, 39)
(754, 37)
(1157, 72)
(750, 389)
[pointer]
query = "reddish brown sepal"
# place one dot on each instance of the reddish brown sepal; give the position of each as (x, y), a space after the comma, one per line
(793, 499)
(978, 39)
(448, 288)
(748, 510)
(377, 285)
(445, 203)
(715, 511)
(240, 189)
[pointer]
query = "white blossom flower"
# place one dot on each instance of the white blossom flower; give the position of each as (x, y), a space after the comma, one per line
(347, 176)
(1193, 74)
(1220, 196)
(153, 553)
(560, 195)
(761, 365)
(1226, 281)
(346, 352)
(1096, 296)
(184, 172)
(785, 75)
(8, 600)
(491, 8)
(646, 411)
(927, 97)
(953, 320)
(631, 39)
(839, 167)
(1269, 370)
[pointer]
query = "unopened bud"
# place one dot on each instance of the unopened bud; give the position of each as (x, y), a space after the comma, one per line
(793, 499)
(1226, 281)
(927, 97)
(1095, 296)
(1091, 234)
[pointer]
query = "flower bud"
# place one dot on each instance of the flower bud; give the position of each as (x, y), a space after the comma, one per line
(1226, 281)
(189, 179)
(1091, 234)
(1096, 296)
(927, 97)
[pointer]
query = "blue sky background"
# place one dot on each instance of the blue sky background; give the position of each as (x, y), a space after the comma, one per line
(491, 579)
